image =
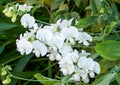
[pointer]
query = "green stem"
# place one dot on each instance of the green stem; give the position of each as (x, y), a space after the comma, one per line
(42, 22)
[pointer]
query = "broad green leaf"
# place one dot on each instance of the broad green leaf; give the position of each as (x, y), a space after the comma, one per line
(85, 22)
(6, 26)
(104, 80)
(45, 80)
(77, 2)
(95, 5)
(109, 49)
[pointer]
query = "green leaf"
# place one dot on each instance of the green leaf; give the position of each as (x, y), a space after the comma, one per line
(109, 28)
(21, 65)
(109, 50)
(45, 80)
(62, 9)
(83, 23)
(77, 2)
(104, 80)
(6, 26)
(74, 15)
(24, 74)
(55, 4)
(96, 5)
(117, 76)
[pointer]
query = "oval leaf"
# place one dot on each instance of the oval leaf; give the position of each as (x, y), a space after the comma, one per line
(109, 50)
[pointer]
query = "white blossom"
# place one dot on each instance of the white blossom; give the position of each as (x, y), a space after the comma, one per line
(27, 21)
(24, 46)
(70, 34)
(39, 48)
(66, 48)
(64, 23)
(84, 38)
(44, 35)
(84, 53)
(57, 41)
(54, 55)
(24, 8)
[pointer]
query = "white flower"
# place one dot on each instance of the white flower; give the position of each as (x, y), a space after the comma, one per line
(27, 21)
(54, 55)
(66, 65)
(44, 35)
(84, 38)
(96, 68)
(64, 23)
(24, 46)
(25, 8)
(84, 53)
(39, 48)
(87, 66)
(66, 68)
(70, 34)
(75, 77)
(57, 41)
(66, 48)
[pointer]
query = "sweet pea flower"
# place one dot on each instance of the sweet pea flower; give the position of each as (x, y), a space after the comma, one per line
(24, 46)
(44, 35)
(27, 21)
(39, 48)
(70, 34)
(25, 8)
(84, 38)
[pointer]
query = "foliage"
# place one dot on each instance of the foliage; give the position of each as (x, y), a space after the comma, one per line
(100, 18)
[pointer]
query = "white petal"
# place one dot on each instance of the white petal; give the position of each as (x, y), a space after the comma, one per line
(82, 62)
(96, 68)
(92, 75)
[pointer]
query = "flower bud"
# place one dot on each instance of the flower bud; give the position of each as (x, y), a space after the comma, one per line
(8, 14)
(3, 73)
(7, 80)
(102, 10)
(14, 18)
(8, 67)
(5, 10)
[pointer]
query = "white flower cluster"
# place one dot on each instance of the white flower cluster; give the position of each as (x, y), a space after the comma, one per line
(55, 41)
(15, 10)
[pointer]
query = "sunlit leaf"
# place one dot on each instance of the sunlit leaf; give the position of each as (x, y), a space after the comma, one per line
(109, 50)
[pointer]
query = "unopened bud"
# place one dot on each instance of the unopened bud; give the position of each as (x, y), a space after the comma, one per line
(14, 18)
(5, 10)
(7, 80)
(8, 67)
(102, 10)
(3, 73)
